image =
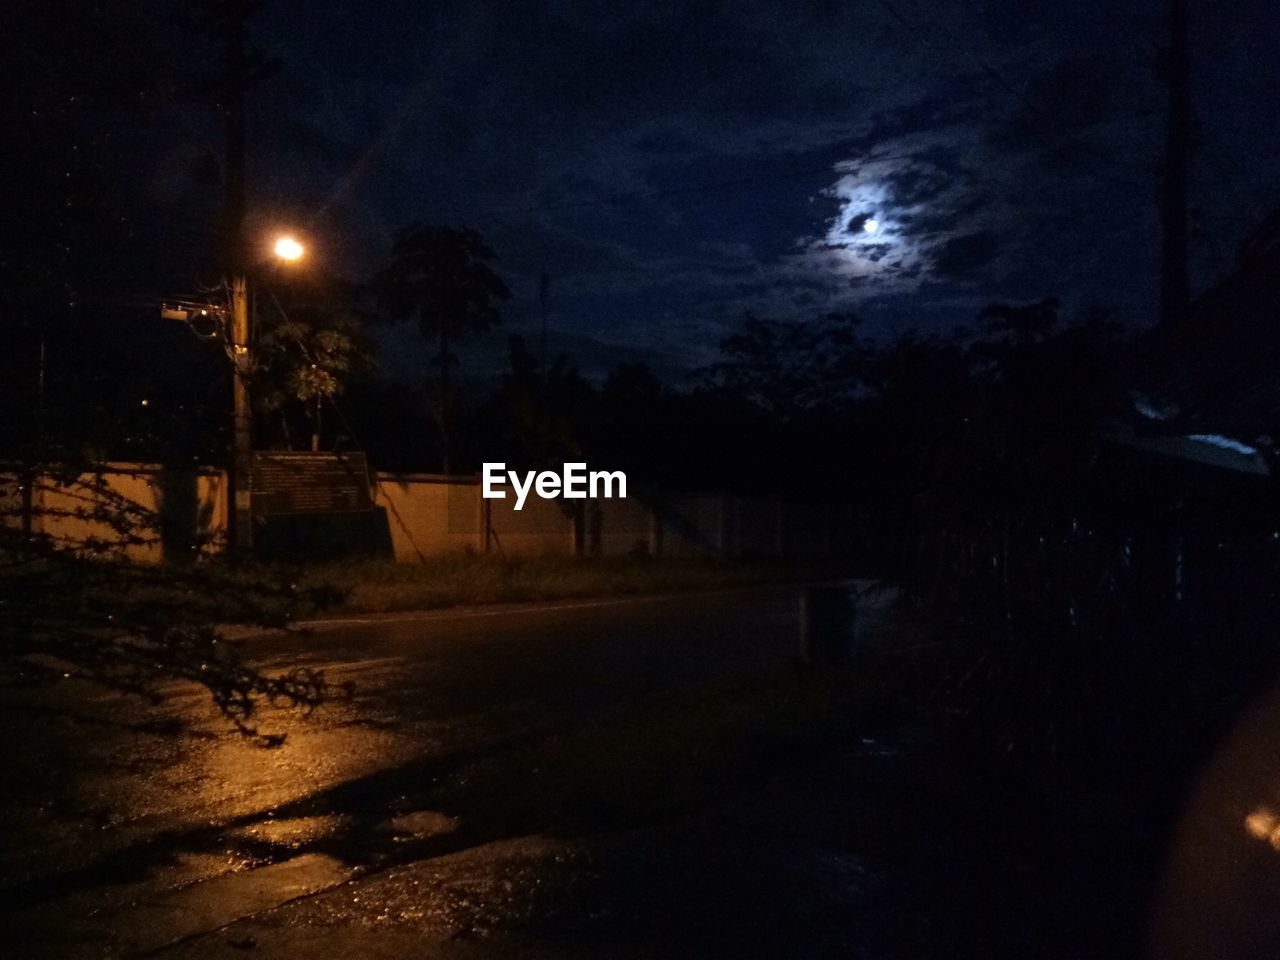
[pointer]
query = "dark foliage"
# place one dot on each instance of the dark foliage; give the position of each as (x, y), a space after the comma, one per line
(1098, 603)
(790, 367)
(77, 604)
(311, 345)
(1090, 601)
(441, 278)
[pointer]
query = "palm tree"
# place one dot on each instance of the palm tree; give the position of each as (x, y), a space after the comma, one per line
(441, 276)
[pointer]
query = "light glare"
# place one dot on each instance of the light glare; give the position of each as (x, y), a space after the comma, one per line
(288, 248)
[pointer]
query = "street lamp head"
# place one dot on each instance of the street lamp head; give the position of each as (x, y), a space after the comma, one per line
(288, 248)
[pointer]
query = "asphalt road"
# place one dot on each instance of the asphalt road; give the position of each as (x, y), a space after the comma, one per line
(425, 817)
(123, 838)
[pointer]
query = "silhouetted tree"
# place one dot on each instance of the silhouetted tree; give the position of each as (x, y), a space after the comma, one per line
(789, 367)
(441, 276)
(542, 419)
(311, 343)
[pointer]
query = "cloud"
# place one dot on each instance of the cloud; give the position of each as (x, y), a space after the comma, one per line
(958, 258)
(676, 164)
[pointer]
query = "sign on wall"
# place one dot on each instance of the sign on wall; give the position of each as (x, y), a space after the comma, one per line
(291, 481)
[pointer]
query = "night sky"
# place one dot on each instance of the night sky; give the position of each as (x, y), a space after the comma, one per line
(673, 166)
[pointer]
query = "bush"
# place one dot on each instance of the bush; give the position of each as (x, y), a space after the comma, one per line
(74, 604)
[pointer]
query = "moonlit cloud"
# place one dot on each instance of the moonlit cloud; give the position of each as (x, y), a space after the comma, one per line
(672, 167)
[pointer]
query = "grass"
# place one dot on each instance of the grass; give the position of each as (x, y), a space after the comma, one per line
(370, 586)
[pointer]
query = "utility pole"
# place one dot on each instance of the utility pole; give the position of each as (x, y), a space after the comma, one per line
(239, 514)
(28, 477)
(240, 70)
(1175, 288)
(241, 487)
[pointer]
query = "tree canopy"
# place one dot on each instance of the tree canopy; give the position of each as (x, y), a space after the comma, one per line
(442, 278)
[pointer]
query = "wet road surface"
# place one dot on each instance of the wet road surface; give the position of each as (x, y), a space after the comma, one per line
(122, 838)
(562, 780)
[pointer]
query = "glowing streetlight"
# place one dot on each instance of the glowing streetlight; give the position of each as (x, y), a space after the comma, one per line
(240, 489)
(288, 248)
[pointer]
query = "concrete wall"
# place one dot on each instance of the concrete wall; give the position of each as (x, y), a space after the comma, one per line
(541, 529)
(436, 515)
(164, 513)
(428, 515)
(692, 526)
(757, 527)
(616, 528)
(432, 515)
